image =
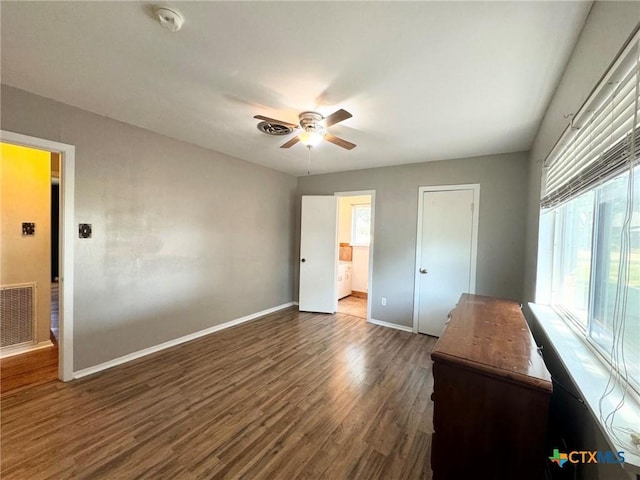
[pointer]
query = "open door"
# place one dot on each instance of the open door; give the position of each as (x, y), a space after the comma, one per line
(318, 254)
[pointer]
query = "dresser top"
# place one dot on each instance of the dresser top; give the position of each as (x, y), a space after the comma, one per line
(491, 335)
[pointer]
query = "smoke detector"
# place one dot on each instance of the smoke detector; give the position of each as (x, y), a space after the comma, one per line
(169, 18)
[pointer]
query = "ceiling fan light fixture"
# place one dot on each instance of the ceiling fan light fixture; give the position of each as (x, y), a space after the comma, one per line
(312, 127)
(311, 138)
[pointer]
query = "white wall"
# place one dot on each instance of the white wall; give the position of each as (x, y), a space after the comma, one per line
(360, 269)
(173, 250)
(344, 220)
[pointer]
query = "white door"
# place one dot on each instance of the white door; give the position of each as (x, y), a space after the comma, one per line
(446, 256)
(318, 254)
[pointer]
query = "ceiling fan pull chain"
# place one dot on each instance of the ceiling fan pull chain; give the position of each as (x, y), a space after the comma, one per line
(309, 161)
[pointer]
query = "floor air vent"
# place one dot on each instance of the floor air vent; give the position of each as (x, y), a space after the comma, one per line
(17, 314)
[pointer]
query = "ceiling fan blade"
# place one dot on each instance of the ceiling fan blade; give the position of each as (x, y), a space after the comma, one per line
(336, 117)
(291, 142)
(339, 141)
(273, 120)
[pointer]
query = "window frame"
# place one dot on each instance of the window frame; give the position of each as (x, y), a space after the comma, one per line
(355, 241)
(558, 231)
(565, 312)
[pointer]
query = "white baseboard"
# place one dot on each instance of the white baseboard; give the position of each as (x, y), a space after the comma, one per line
(12, 350)
(391, 325)
(177, 341)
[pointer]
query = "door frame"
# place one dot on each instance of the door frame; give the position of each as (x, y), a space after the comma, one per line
(474, 239)
(67, 222)
(372, 193)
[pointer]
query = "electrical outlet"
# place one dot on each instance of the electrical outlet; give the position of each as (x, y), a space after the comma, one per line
(84, 230)
(383, 301)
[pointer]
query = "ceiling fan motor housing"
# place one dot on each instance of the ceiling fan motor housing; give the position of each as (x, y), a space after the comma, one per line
(310, 122)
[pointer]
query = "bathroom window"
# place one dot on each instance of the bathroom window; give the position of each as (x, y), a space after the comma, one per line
(360, 225)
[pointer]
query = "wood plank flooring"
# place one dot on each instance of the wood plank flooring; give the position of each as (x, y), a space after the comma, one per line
(354, 306)
(28, 369)
(291, 395)
(36, 367)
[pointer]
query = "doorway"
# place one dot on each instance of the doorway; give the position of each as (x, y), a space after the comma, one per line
(354, 240)
(446, 253)
(66, 156)
(324, 277)
(28, 348)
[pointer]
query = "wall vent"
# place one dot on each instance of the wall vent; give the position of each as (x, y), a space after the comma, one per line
(17, 314)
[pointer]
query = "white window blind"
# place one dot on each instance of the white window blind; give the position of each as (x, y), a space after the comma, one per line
(591, 194)
(603, 137)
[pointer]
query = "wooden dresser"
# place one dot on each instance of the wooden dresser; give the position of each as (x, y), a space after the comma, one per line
(491, 395)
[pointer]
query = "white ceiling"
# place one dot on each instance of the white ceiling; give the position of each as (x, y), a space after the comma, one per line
(424, 80)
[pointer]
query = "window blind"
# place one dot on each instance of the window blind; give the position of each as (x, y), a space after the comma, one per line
(604, 136)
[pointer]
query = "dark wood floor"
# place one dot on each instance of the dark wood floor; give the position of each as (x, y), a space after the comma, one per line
(34, 367)
(28, 369)
(292, 395)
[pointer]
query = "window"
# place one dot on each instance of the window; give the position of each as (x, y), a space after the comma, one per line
(611, 204)
(360, 225)
(589, 250)
(596, 264)
(572, 270)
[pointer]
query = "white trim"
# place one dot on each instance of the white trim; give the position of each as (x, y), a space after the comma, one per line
(176, 341)
(21, 348)
(590, 375)
(474, 240)
(390, 325)
(67, 210)
(372, 193)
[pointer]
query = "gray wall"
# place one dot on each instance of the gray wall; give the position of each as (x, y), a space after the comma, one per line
(503, 198)
(183, 238)
(606, 30)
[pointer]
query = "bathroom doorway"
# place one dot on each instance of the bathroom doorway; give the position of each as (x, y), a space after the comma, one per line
(355, 245)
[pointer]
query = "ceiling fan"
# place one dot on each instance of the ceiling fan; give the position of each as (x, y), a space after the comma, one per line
(314, 129)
